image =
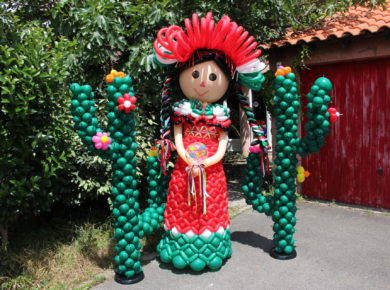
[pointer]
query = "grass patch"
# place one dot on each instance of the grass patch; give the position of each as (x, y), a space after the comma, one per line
(66, 249)
(299, 196)
(58, 256)
(97, 280)
(237, 210)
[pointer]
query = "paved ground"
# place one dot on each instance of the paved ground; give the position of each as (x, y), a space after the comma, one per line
(338, 248)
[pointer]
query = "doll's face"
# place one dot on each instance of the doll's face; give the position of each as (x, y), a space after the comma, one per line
(205, 82)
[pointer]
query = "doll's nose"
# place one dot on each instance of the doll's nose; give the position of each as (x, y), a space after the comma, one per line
(202, 84)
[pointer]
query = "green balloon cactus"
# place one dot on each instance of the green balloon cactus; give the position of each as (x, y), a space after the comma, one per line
(119, 145)
(282, 205)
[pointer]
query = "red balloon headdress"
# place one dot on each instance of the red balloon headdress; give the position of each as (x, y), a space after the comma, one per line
(174, 45)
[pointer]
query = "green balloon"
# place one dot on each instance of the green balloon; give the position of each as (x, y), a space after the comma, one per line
(288, 97)
(121, 198)
(280, 92)
(111, 89)
(86, 89)
(124, 88)
(294, 91)
(117, 82)
(290, 111)
(91, 130)
(127, 80)
(326, 99)
(75, 88)
(321, 93)
(82, 126)
(317, 101)
(314, 89)
(282, 243)
(118, 135)
(324, 83)
(283, 221)
(198, 265)
(215, 263)
(79, 111)
(288, 249)
(179, 262)
(279, 79)
(291, 76)
(122, 243)
(287, 84)
(121, 161)
(283, 210)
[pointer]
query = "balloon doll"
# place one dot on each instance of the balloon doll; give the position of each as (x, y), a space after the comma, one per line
(213, 61)
(208, 59)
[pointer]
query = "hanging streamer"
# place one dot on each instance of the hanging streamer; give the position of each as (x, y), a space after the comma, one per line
(202, 186)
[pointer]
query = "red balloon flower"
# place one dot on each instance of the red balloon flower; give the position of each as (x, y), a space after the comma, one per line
(126, 103)
(334, 115)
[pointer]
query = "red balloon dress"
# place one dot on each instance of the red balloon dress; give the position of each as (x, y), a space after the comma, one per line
(197, 237)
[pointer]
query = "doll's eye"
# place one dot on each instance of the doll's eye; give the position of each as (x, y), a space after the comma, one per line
(195, 74)
(212, 77)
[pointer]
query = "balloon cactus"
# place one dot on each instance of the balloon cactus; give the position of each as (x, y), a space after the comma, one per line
(281, 205)
(119, 145)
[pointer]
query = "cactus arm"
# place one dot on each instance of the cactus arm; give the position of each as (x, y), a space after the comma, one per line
(252, 186)
(152, 217)
(317, 127)
(86, 123)
(253, 176)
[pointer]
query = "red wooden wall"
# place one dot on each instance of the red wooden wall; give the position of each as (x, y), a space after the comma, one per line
(354, 165)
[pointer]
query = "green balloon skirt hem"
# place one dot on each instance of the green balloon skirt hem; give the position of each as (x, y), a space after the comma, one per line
(197, 252)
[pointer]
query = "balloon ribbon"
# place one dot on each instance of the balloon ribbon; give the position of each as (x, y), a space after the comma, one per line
(202, 186)
(166, 146)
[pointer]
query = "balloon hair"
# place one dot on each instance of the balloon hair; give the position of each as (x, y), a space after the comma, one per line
(173, 44)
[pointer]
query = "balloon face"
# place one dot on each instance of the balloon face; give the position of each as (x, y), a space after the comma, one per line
(197, 152)
(205, 82)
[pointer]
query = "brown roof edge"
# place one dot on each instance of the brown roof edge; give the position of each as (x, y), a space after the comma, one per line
(358, 20)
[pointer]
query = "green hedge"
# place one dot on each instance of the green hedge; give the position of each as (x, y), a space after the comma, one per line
(34, 123)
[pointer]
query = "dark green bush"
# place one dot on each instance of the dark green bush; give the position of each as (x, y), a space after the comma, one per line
(34, 123)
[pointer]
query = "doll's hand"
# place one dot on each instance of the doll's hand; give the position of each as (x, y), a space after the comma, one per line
(195, 171)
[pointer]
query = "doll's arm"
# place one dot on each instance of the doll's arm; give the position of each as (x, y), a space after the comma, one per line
(178, 133)
(223, 140)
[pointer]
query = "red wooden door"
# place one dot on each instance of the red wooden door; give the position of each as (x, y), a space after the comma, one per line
(354, 165)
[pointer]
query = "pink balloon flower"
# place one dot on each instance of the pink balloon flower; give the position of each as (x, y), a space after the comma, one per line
(101, 140)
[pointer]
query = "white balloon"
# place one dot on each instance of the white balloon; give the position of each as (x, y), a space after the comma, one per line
(255, 65)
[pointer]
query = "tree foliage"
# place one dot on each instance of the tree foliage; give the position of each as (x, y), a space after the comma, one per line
(33, 117)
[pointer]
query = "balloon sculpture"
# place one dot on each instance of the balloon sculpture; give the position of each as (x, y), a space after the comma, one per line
(281, 205)
(207, 58)
(119, 146)
(211, 62)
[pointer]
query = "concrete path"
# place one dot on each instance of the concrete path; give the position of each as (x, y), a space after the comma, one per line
(338, 248)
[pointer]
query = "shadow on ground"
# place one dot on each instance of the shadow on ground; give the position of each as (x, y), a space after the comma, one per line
(252, 239)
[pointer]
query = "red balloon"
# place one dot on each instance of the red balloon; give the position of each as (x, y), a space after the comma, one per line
(333, 118)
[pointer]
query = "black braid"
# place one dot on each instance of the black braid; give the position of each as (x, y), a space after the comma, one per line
(166, 109)
(244, 104)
